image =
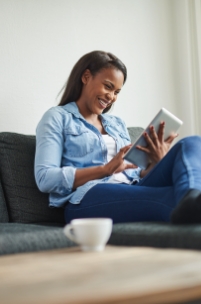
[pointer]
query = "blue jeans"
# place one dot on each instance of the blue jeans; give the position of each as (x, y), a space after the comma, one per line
(154, 197)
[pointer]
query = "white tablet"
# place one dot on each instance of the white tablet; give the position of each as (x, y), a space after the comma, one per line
(172, 124)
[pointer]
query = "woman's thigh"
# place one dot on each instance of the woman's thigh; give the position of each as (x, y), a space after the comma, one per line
(180, 168)
(124, 203)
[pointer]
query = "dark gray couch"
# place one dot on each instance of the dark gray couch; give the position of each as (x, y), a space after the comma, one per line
(28, 224)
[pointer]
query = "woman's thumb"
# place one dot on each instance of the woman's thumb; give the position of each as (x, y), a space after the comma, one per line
(130, 166)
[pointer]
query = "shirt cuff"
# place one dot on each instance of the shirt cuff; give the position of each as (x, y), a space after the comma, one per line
(68, 178)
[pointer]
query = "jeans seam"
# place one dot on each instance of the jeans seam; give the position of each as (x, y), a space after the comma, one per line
(188, 169)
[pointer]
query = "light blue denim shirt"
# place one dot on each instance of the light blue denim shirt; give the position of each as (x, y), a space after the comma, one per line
(65, 141)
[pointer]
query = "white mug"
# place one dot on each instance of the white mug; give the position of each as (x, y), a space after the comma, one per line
(91, 234)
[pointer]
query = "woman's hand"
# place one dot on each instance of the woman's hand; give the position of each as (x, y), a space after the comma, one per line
(117, 164)
(156, 147)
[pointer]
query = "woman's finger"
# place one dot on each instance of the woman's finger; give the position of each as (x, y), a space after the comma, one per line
(161, 132)
(170, 139)
(125, 149)
(148, 140)
(130, 166)
(154, 136)
(144, 149)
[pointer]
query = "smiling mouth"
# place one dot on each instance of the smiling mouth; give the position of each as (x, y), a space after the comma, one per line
(103, 103)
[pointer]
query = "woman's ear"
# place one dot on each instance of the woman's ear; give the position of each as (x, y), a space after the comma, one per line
(86, 76)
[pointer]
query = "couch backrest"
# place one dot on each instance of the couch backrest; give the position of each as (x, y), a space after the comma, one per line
(3, 208)
(134, 132)
(24, 202)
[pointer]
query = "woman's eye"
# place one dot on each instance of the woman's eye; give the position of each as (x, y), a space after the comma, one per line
(107, 86)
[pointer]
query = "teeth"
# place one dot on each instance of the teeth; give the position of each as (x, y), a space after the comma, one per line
(102, 102)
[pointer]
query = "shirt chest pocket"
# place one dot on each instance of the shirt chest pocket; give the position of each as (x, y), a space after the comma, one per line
(124, 138)
(78, 141)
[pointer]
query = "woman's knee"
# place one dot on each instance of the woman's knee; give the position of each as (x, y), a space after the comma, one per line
(190, 146)
(190, 140)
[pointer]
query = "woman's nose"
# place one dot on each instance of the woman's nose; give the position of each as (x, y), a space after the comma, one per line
(110, 96)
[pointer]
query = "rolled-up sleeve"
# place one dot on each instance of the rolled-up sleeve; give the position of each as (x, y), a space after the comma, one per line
(49, 175)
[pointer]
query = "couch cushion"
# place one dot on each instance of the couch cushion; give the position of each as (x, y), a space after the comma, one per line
(161, 235)
(25, 203)
(17, 238)
(3, 208)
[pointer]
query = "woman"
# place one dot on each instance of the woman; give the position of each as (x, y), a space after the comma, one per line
(80, 149)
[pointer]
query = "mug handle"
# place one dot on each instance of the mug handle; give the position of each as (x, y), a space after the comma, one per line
(68, 231)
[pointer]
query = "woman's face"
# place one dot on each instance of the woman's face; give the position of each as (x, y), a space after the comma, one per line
(101, 90)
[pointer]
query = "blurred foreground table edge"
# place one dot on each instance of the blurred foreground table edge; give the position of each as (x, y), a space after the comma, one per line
(116, 275)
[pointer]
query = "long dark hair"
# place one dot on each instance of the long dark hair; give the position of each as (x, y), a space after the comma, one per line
(94, 61)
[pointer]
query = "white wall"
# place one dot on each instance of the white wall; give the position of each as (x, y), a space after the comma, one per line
(187, 57)
(42, 39)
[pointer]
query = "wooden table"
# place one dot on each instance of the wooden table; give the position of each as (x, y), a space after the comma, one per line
(117, 275)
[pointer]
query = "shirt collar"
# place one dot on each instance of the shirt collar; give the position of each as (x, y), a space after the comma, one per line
(73, 108)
